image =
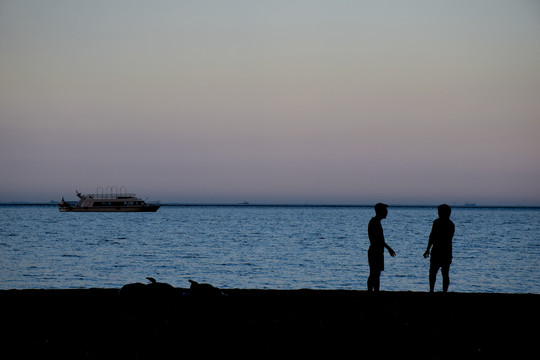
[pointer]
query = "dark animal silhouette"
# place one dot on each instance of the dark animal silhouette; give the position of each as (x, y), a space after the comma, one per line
(154, 289)
(204, 290)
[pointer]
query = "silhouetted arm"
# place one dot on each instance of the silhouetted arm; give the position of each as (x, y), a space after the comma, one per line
(390, 250)
(426, 253)
(430, 241)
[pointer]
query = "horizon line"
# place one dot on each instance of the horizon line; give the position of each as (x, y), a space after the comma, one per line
(247, 204)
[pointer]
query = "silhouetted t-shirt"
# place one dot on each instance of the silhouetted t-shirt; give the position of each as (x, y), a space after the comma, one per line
(376, 248)
(441, 236)
(375, 234)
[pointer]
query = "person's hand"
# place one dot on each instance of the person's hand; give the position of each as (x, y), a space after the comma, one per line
(426, 254)
(392, 252)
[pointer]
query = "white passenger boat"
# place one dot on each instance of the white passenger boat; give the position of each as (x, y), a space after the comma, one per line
(113, 202)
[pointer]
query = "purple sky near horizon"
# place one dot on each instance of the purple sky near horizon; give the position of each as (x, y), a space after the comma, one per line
(352, 102)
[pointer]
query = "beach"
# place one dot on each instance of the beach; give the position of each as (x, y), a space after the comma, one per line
(250, 323)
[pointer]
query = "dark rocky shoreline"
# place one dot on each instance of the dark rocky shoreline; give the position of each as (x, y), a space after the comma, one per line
(276, 324)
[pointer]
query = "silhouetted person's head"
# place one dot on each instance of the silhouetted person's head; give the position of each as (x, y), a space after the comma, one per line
(381, 210)
(444, 211)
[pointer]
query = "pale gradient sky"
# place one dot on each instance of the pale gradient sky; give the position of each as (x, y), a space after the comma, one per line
(288, 101)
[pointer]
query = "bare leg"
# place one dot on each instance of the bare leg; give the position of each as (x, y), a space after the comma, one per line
(445, 271)
(374, 280)
(433, 269)
(378, 281)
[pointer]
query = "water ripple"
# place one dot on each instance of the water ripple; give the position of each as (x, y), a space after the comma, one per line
(263, 247)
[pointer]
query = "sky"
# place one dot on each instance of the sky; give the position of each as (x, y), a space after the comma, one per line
(293, 102)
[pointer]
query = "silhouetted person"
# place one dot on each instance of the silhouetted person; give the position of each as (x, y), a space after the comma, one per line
(376, 247)
(440, 243)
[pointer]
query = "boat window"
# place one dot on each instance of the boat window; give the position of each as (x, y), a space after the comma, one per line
(109, 203)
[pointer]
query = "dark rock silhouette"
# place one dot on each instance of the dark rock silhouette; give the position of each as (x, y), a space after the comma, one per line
(139, 290)
(132, 290)
(204, 290)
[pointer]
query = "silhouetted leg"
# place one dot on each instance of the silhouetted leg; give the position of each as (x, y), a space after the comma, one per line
(377, 281)
(374, 280)
(433, 269)
(445, 271)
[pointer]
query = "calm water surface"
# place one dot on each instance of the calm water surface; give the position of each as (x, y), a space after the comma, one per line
(495, 249)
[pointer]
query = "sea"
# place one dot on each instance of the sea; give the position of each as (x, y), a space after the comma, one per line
(496, 250)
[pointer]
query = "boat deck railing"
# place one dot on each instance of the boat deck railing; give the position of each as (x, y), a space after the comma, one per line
(111, 196)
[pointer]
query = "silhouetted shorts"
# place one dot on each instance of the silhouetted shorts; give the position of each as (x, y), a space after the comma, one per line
(435, 265)
(376, 259)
